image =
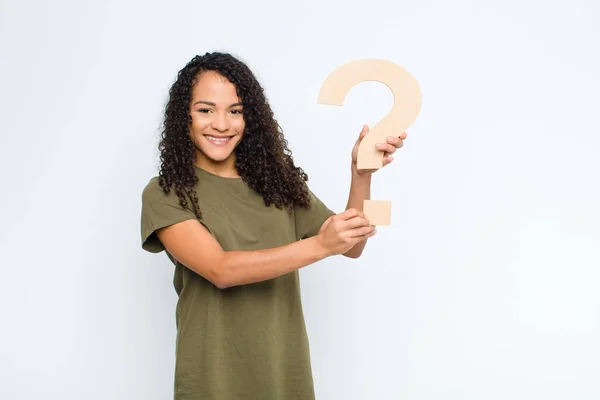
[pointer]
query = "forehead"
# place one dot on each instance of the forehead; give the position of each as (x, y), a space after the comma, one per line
(212, 86)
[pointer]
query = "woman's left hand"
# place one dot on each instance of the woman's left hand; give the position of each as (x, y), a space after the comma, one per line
(389, 147)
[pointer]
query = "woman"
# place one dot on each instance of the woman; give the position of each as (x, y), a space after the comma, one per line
(237, 219)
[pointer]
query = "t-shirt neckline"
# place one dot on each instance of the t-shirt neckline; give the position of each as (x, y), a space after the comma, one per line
(217, 177)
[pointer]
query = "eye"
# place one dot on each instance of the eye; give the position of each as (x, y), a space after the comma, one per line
(204, 110)
(237, 111)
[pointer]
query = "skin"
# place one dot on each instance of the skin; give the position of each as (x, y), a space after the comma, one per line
(360, 186)
(216, 112)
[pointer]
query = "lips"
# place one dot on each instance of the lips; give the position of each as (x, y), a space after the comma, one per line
(218, 140)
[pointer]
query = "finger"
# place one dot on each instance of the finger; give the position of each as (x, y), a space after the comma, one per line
(396, 141)
(354, 223)
(359, 239)
(373, 233)
(388, 148)
(363, 132)
(367, 171)
(387, 160)
(361, 232)
(365, 237)
(350, 213)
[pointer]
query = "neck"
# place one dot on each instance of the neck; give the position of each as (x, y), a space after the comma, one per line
(225, 168)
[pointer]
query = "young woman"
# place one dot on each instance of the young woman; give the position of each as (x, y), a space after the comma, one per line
(236, 217)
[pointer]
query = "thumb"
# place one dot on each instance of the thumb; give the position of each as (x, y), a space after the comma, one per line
(363, 132)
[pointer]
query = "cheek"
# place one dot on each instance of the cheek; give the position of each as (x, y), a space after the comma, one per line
(240, 126)
(197, 125)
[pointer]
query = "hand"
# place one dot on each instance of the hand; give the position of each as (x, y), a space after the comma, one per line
(342, 231)
(391, 145)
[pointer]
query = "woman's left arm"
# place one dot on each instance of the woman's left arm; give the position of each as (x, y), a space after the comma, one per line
(360, 186)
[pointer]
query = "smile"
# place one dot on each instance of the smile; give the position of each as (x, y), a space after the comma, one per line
(219, 141)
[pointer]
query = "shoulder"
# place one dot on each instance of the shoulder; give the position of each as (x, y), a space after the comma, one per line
(159, 210)
(152, 187)
(313, 200)
(315, 204)
(153, 193)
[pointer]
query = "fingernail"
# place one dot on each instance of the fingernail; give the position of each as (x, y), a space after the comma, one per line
(380, 146)
(390, 139)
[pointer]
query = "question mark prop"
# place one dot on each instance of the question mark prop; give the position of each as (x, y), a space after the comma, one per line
(407, 104)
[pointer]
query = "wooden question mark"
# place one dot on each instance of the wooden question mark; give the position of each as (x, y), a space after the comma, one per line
(407, 104)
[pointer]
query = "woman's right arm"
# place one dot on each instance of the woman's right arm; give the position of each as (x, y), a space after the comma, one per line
(193, 246)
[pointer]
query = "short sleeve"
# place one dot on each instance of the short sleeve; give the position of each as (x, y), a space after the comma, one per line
(309, 220)
(159, 210)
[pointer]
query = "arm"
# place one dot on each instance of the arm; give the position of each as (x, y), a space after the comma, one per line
(360, 190)
(360, 187)
(192, 245)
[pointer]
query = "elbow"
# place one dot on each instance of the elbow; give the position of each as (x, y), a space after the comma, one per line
(226, 283)
(220, 284)
(216, 273)
(220, 279)
(221, 275)
(353, 255)
(356, 250)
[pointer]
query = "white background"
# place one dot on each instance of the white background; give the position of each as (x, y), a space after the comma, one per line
(486, 285)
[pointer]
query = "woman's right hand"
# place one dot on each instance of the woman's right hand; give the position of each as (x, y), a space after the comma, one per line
(342, 231)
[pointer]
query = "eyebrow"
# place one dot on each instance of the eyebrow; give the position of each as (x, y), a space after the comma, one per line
(209, 103)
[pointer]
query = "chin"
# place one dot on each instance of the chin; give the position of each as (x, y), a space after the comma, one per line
(217, 155)
(218, 158)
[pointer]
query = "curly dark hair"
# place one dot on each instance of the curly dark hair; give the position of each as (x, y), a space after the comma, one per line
(263, 159)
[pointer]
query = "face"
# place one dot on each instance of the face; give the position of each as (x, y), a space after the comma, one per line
(217, 121)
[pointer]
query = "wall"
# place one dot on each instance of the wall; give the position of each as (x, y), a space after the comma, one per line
(485, 287)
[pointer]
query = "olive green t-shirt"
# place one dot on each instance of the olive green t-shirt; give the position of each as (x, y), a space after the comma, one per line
(247, 341)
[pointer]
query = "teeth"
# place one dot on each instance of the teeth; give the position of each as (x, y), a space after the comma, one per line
(218, 140)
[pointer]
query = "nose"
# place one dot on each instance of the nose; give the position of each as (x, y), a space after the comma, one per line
(220, 122)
